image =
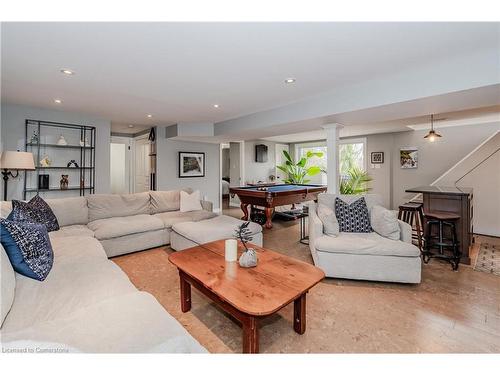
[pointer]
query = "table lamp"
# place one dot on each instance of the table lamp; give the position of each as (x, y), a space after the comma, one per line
(14, 160)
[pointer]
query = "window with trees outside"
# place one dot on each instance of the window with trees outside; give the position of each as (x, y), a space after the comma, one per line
(351, 156)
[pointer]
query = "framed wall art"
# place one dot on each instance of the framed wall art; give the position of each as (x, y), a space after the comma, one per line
(408, 157)
(191, 164)
(377, 157)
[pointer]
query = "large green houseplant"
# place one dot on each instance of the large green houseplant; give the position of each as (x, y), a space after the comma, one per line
(297, 172)
(355, 181)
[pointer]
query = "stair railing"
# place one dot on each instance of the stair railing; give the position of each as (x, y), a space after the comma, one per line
(477, 165)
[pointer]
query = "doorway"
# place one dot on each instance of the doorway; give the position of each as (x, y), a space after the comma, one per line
(142, 171)
(120, 165)
(232, 173)
(130, 164)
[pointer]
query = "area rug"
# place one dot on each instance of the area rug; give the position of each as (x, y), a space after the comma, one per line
(488, 259)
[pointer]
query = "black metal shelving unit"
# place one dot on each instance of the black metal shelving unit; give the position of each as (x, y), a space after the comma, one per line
(85, 154)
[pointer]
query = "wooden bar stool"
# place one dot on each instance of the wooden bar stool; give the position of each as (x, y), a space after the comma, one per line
(444, 244)
(413, 214)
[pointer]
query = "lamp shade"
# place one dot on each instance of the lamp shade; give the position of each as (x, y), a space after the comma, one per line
(17, 160)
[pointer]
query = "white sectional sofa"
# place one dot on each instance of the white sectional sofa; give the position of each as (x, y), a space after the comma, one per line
(122, 223)
(363, 256)
(87, 303)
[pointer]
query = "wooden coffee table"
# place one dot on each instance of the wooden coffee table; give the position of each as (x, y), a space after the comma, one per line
(247, 294)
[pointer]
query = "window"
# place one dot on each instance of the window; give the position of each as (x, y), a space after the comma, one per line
(315, 161)
(351, 155)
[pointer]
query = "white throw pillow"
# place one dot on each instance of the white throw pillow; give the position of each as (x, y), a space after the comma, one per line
(385, 222)
(190, 202)
(329, 220)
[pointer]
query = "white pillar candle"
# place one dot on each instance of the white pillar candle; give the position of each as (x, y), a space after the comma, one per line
(231, 254)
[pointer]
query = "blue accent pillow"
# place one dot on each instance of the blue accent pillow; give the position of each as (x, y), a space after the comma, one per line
(35, 211)
(28, 247)
(353, 217)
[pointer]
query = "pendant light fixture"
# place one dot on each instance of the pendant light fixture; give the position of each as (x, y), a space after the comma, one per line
(432, 135)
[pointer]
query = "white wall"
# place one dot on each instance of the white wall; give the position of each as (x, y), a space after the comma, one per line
(381, 173)
(13, 138)
(485, 180)
(168, 166)
(259, 171)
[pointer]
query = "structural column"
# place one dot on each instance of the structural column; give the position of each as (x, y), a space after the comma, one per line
(332, 156)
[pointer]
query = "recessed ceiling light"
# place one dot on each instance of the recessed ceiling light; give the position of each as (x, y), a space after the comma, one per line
(290, 80)
(131, 126)
(57, 101)
(149, 116)
(67, 72)
(216, 106)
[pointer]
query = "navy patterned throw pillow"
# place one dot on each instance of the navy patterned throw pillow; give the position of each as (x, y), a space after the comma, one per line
(35, 211)
(28, 247)
(353, 217)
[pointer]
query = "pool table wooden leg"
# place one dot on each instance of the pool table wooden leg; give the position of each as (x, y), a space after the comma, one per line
(244, 208)
(269, 216)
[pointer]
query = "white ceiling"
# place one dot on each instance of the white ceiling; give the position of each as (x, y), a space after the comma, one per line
(177, 71)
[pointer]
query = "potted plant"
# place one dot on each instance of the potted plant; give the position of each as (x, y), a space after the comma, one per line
(297, 172)
(355, 182)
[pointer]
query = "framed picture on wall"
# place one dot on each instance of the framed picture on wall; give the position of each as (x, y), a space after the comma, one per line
(408, 157)
(191, 164)
(377, 157)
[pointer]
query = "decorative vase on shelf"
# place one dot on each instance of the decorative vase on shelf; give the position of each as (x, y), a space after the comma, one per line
(82, 143)
(62, 141)
(249, 257)
(87, 144)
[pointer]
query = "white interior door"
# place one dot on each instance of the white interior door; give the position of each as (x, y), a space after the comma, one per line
(142, 168)
(120, 165)
(280, 160)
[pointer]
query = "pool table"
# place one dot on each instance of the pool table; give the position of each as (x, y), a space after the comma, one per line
(270, 196)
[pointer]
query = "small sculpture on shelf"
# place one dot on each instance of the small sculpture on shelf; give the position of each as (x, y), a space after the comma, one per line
(72, 164)
(62, 141)
(64, 181)
(249, 256)
(45, 162)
